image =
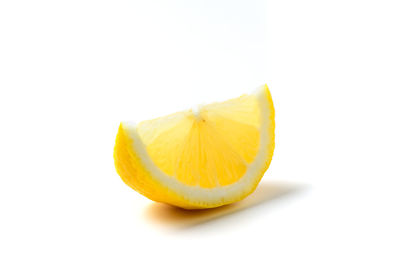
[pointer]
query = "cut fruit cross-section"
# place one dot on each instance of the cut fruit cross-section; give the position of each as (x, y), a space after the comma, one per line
(202, 158)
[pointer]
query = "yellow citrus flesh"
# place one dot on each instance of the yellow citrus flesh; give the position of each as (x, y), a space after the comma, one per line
(200, 159)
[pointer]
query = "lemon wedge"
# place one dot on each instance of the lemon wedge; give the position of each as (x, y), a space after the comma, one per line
(205, 157)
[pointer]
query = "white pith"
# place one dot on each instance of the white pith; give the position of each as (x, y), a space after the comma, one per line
(220, 193)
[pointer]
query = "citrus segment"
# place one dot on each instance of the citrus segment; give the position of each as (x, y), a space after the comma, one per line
(200, 158)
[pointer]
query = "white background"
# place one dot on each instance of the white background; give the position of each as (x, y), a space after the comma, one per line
(70, 71)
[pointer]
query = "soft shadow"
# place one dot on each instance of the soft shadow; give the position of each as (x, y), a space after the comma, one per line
(173, 217)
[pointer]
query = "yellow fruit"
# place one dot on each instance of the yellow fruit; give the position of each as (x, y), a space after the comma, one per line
(202, 158)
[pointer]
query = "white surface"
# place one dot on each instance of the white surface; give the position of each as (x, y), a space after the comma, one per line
(71, 70)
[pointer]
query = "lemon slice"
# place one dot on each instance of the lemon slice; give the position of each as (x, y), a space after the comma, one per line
(206, 157)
